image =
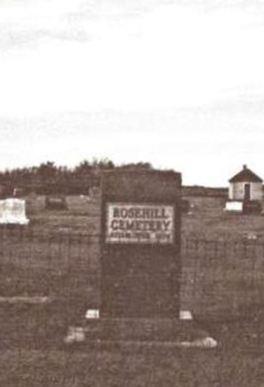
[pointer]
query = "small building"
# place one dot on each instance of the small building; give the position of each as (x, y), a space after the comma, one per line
(245, 186)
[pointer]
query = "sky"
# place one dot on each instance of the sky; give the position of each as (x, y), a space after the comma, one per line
(178, 83)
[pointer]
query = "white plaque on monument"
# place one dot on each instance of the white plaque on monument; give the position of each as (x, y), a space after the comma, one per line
(140, 223)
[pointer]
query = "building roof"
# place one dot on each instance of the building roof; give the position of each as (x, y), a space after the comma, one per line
(246, 175)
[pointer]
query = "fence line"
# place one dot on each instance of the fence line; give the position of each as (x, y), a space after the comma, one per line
(225, 276)
(216, 274)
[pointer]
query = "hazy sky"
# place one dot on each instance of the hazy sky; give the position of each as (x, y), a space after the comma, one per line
(177, 83)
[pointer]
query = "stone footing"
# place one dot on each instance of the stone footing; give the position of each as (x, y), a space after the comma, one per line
(146, 331)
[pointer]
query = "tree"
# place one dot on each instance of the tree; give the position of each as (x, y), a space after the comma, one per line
(140, 166)
(47, 170)
(83, 168)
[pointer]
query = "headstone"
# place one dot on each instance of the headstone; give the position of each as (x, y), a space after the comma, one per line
(234, 206)
(92, 314)
(13, 211)
(56, 203)
(18, 192)
(141, 263)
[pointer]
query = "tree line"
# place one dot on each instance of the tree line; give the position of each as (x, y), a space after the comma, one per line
(49, 178)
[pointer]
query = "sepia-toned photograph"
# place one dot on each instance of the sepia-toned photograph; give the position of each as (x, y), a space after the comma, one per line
(131, 193)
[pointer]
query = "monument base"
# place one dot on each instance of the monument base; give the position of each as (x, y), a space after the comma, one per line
(14, 221)
(141, 331)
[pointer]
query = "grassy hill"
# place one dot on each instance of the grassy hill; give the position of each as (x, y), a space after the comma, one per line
(207, 219)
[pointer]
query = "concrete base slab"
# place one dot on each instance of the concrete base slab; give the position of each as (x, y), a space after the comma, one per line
(147, 332)
(77, 336)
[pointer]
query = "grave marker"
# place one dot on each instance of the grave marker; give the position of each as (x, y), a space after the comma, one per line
(56, 203)
(141, 263)
(13, 211)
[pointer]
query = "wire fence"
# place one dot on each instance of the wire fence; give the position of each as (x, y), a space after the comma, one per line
(216, 274)
(61, 272)
(40, 264)
(222, 277)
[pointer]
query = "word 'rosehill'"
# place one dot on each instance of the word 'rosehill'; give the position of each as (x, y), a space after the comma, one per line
(140, 213)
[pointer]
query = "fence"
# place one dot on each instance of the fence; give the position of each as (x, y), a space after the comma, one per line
(44, 264)
(217, 276)
(222, 277)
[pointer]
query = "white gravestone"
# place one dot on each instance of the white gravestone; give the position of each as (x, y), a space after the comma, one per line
(13, 211)
(234, 206)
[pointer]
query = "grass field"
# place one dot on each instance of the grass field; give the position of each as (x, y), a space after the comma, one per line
(223, 277)
(237, 362)
(31, 351)
(61, 252)
(207, 219)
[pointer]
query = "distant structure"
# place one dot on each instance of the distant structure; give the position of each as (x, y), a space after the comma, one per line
(245, 192)
(246, 186)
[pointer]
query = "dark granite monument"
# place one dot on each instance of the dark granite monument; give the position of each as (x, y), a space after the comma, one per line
(141, 263)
